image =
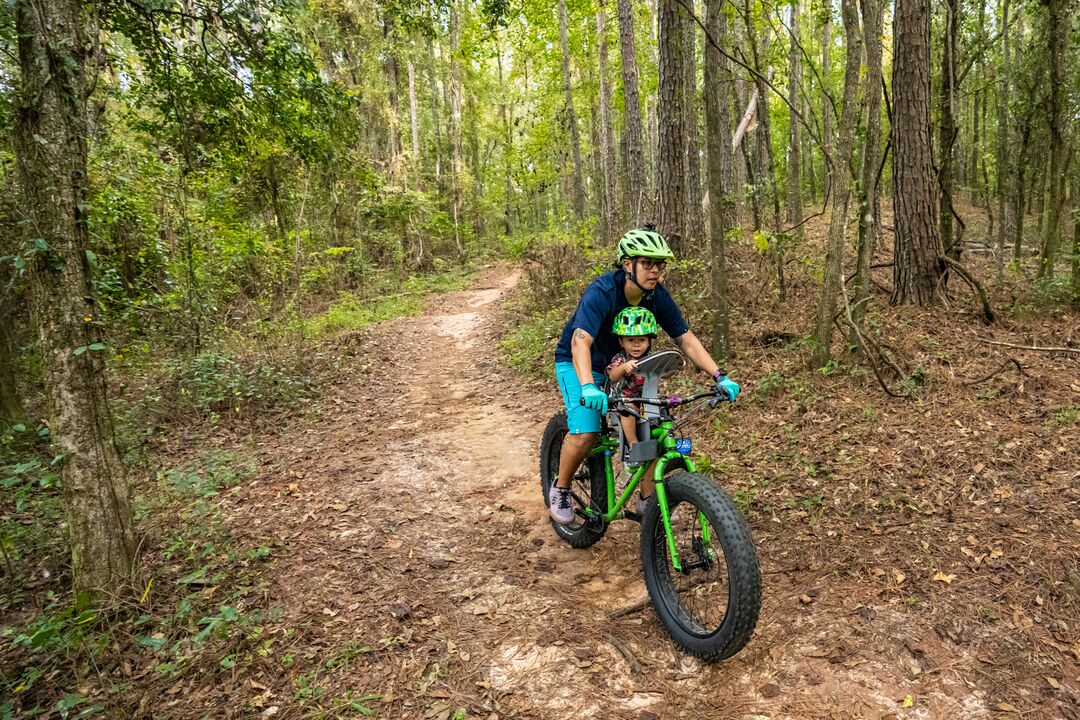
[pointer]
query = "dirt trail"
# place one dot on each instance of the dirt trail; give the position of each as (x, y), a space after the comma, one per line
(418, 563)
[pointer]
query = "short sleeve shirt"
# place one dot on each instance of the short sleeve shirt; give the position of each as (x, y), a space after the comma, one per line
(596, 311)
(632, 384)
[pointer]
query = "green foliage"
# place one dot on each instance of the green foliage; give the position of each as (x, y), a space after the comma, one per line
(210, 384)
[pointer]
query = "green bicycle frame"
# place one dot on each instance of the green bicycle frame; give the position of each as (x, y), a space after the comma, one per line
(609, 445)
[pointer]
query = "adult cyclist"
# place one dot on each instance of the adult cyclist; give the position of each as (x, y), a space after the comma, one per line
(587, 345)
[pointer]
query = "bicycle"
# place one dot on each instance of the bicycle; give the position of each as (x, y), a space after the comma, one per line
(700, 565)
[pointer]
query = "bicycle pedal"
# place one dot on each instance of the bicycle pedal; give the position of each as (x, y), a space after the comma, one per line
(631, 515)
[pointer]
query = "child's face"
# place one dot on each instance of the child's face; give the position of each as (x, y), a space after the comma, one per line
(635, 347)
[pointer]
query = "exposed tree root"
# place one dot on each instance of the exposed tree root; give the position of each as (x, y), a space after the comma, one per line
(976, 287)
(1004, 366)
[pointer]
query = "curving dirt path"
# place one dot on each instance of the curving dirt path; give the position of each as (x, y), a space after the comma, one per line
(417, 563)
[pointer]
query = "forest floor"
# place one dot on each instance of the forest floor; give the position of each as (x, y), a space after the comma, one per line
(919, 558)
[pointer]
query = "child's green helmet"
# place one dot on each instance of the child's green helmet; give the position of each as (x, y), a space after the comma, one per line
(646, 244)
(634, 321)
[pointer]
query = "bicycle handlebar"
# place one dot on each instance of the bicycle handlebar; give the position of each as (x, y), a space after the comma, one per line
(670, 401)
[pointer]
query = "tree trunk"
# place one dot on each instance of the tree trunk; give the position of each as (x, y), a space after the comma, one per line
(508, 200)
(849, 115)
(11, 407)
(1019, 207)
(607, 138)
(723, 220)
(794, 159)
(1004, 168)
(391, 67)
(49, 141)
(634, 161)
(671, 149)
(455, 128)
(695, 222)
(1057, 19)
(571, 118)
(1076, 241)
(826, 105)
(868, 190)
(917, 247)
(767, 166)
(435, 120)
(412, 117)
(947, 130)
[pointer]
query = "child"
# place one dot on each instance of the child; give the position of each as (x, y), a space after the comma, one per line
(635, 327)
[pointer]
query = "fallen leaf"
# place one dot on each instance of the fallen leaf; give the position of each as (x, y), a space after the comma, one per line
(900, 577)
(805, 599)
(1053, 683)
(1006, 707)
(907, 702)
(943, 577)
(340, 507)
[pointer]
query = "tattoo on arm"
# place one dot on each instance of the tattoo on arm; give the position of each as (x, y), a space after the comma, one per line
(580, 334)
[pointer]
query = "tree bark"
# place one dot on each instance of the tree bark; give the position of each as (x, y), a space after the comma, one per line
(397, 167)
(435, 119)
(723, 219)
(826, 105)
(412, 117)
(634, 160)
(849, 114)
(794, 159)
(695, 222)
(607, 137)
(917, 245)
(571, 118)
(767, 164)
(671, 149)
(1057, 18)
(508, 143)
(947, 128)
(1004, 167)
(868, 190)
(455, 128)
(11, 406)
(49, 141)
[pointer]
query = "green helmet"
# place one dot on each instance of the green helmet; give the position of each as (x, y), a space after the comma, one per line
(634, 321)
(644, 243)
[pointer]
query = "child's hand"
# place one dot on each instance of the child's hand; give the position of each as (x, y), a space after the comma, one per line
(630, 366)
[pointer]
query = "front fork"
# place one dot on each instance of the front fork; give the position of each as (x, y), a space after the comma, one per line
(665, 510)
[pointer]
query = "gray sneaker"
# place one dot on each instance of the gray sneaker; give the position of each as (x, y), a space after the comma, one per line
(559, 506)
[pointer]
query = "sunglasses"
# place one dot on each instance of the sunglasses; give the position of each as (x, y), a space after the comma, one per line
(649, 263)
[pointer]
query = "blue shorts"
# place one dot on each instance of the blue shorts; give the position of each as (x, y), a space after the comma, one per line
(580, 418)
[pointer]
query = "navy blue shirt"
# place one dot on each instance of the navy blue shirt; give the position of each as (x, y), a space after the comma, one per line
(596, 311)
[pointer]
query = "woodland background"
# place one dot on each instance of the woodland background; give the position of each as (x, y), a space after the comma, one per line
(202, 199)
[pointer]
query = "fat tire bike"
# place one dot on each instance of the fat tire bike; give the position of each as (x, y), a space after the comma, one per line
(699, 561)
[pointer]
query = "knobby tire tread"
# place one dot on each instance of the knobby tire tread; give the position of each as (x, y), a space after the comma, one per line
(744, 575)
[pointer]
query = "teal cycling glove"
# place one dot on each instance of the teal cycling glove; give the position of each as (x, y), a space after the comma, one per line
(594, 399)
(727, 386)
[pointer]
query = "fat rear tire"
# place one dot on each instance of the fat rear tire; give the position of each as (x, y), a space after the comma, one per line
(589, 485)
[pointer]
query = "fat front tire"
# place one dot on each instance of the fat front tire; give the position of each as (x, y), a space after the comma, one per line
(711, 606)
(589, 486)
